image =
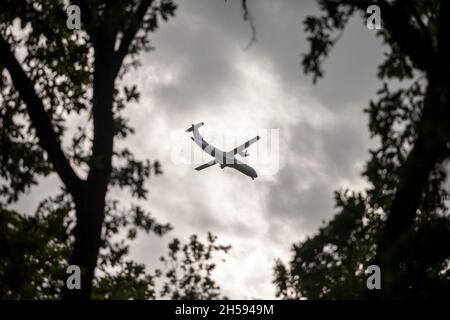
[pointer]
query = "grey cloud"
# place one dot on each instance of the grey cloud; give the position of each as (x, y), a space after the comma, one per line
(203, 53)
(304, 208)
(203, 45)
(344, 146)
(350, 70)
(302, 196)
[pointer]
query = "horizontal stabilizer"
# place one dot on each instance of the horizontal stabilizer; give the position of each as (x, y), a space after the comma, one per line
(206, 165)
(194, 127)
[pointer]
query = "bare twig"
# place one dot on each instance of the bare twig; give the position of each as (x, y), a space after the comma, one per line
(247, 16)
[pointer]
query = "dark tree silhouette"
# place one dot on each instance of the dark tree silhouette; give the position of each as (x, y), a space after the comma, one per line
(189, 269)
(48, 74)
(34, 250)
(401, 222)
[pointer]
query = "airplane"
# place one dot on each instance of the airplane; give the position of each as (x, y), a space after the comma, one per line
(225, 159)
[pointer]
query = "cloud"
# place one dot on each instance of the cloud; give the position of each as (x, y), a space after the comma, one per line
(200, 72)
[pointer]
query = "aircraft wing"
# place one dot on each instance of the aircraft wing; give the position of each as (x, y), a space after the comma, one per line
(206, 165)
(244, 146)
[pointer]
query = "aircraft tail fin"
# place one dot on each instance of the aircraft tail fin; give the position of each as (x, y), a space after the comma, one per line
(194, 127)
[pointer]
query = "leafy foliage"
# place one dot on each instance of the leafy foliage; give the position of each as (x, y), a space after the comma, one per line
(49, 77)
(190, 267)
(331, 264)
(34, 251)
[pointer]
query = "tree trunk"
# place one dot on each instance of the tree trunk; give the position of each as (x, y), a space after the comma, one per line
(429, 150)
(90, 202)
(90, 216)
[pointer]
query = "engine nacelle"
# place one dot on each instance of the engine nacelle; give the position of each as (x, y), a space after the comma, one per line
(243, 154)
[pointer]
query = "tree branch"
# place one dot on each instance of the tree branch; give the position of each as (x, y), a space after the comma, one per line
(130, 33)
(100, 165)
(422, 26)
(414, 43)
(443, 38)
(248, 17)
(48, 139)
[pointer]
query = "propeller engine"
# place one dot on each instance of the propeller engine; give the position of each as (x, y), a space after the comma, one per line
(244, 154)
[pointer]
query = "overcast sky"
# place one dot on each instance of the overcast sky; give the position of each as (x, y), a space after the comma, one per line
(200, 71)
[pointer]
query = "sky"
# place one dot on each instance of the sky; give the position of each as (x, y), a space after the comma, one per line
(314, 137)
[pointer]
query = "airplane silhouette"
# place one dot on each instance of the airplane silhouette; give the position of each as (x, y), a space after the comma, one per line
(225, 159)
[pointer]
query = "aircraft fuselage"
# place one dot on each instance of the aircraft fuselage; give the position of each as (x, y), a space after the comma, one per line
(224, 159)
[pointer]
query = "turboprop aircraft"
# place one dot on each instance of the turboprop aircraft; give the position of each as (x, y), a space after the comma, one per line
(225, 159)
